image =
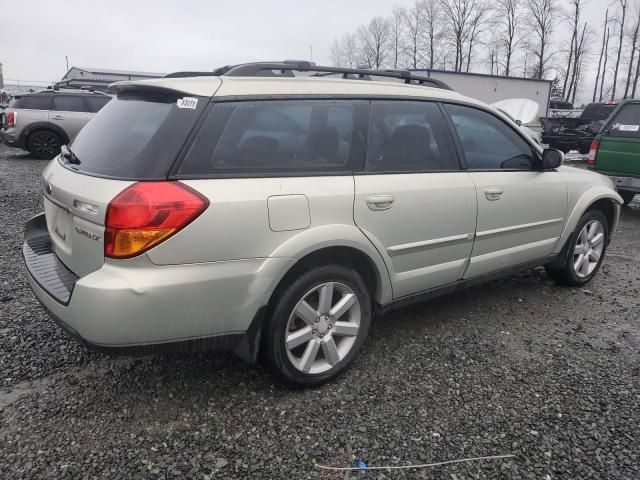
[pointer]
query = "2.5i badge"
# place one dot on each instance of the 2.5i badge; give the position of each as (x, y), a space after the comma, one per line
(188, 102)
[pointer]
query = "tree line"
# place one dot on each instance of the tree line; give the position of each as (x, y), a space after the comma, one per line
(550, 39)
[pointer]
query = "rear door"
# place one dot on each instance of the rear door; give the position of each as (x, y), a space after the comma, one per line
(414, 202)
(521, 210)
(69, 113)
(619, 151)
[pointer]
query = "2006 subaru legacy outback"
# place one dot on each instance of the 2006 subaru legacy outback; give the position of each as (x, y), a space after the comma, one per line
(278, 214)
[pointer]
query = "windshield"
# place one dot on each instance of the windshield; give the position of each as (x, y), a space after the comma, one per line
(136, 136)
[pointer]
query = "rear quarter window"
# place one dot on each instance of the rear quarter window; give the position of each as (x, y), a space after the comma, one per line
(598, 111)
(96, 103)
(626, 123)
(67, 103)
(34, 102)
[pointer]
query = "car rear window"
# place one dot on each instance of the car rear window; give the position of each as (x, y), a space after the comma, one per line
(275, 137)
(598, 111)
(137, 135)
(96, 103)
(626, 123)
(32, 102)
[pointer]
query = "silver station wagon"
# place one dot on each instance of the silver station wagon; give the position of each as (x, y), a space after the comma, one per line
(275, 208)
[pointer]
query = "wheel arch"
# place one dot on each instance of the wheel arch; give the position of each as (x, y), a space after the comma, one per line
(32, 128)
(600, 198)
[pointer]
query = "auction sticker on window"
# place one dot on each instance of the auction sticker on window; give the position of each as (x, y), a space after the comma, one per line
(626, 128)
(188, 102)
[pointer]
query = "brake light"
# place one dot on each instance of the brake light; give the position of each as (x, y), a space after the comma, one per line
(147, 213)
(11, 119)
(591, 159)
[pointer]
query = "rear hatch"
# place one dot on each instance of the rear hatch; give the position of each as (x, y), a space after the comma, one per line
(619, 143)
(135, 137)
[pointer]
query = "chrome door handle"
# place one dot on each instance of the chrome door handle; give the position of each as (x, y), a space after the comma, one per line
(493, 193)
(380, 202)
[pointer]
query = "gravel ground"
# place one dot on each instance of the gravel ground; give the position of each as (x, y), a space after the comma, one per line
(518, 366)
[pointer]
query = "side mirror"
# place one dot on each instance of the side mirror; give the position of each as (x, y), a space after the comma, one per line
(519, 123)
(551, 158)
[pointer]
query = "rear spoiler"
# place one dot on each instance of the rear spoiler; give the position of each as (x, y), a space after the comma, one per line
(200, 87)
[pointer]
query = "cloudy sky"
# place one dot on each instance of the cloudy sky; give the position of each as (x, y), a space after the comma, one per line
(170, 35)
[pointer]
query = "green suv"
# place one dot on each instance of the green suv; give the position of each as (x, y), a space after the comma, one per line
(616, 150)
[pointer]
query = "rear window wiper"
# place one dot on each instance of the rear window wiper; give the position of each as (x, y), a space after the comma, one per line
(69, 156)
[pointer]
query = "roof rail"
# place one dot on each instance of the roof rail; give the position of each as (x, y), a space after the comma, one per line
(286, 69)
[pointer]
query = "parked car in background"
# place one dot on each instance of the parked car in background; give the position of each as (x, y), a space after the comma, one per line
(42, 122)
(251, 211)
(576, 133)
(616, 150)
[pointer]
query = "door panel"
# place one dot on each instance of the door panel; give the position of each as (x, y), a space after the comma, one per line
(523, 224)
(426, 234)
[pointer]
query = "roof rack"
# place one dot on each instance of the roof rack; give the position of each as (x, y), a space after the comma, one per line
(286, 69)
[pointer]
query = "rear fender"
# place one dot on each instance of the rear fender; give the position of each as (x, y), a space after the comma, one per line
(43, 126)
(314, 239)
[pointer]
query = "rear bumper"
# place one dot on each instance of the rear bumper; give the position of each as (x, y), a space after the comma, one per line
(630, 184)
(9, 138)
(136, 307)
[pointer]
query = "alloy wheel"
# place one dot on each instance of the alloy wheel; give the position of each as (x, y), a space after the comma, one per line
(588, 249)
(45, 145)
(323, 328)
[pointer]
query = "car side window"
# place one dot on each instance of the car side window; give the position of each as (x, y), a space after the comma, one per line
(97, 102)
(406, 136)
(271, 137)
(67, 103)
(33, 102)
(488, 142)
(626, 123)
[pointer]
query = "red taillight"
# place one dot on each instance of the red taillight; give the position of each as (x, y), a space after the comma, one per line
(591, 159)
(147, 213)
(11, 119)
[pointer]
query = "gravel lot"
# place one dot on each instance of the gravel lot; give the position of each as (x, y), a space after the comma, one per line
(518, 366)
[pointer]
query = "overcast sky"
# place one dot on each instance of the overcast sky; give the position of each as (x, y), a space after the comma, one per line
(164, 35)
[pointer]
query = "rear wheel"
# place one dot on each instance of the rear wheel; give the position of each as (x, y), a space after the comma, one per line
(627, 196)
(587, 248)
(318, 325)
(44, 144)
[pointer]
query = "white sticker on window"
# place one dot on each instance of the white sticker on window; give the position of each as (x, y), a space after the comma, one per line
(188, 102)
(626, 128)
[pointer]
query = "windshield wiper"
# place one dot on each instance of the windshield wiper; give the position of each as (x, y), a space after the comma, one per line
(69, 156)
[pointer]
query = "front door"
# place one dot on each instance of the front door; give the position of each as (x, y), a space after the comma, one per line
(414, 202)
(521, 210)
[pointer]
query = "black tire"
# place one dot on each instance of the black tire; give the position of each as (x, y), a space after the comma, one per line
(281, 311)
(44, 144)
(627, 196)
(567, 275)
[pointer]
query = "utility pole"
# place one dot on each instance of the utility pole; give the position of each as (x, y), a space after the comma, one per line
(67, 60)
(311, 53)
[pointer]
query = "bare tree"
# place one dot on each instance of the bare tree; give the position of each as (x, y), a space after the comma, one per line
(623, 5)
(574, 20)
(635, 78)
(578, 60)
(373, 39)
(457, 14)
(432, 16)
(604, 67)
(344, 51)
(414, 29)
(396, 23)
(604, 40)
(335, 54)
(634, 44)
(542, 16)
(508, 13)
(477, 23)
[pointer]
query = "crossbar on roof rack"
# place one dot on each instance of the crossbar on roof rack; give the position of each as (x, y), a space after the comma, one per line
(286, 69)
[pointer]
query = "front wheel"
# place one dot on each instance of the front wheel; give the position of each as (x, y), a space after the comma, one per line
(318, 325)
(587, 248)
(627, 196)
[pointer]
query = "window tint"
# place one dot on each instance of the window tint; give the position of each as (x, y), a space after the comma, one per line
(627, 122)
(272, 137)
(409, 137)
(488, 142)
(35, 102)
(136, 136)
(67, 103)
(97, 102)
